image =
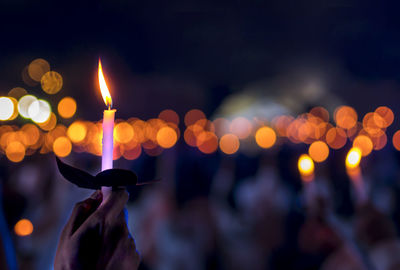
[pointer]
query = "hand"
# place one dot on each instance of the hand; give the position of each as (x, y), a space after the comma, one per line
(96, 236)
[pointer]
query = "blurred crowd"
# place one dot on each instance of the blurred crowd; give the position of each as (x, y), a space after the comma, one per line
(220, 212)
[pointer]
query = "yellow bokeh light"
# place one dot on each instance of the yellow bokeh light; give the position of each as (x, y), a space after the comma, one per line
(364, 143)
(66, 107)
(37, 68)
(167, 137)
(229, 144)
(123, 132)
(6, 108)
(15, 151)
(305, 165)
(23, 227)
(15, 113)
(353, 158)
(76, 132)
(51, 82)
(62, 146)
(265, 137)
(318, 151)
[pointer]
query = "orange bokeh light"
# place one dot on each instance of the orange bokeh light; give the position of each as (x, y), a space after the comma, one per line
(364, 143)
(318, 151)
(123, 132)
(15, 151)
(386, 116)
(265, 137)
(396, 140)
(229, 144)
(23, 227)
(166, 137)
(193, 116)
(169, 116)
(66, 107)
(336, 138)
(345, 117)
(62, 146)
(77, 132)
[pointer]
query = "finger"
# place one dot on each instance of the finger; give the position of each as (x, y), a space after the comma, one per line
(107, 212)
(82, 211)
(112, 207)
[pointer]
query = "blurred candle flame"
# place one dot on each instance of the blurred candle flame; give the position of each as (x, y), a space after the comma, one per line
(353, 158)
(306, 167)
(105, 93)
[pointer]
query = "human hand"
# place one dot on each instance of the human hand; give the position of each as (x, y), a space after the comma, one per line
(96, 236)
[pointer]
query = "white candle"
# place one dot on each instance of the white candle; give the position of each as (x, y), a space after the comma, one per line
(108, 147)
(108, 130)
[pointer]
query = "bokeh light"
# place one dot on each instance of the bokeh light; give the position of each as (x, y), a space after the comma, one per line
(265, 137)
(66, 107)
(15, 151)
(386, 114)
(166, 137)
(353, 158)
(62, 146)
(193, 116)
(6, 108)
(77, 132)
(305, 165)
(24, 103)
(23, 227)
(229, 144)
(169, 116)
(345, 117)
(396, 140)
(318, 151)
(17, 93)
(39, 111)
(51, 82)
(241, 127)
(363, 143)
(37, 68)
(50, 123)
(207, 142)
(123, 132)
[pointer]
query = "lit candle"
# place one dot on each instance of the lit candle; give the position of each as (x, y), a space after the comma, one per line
(108, 129)
(353, 159)
(305, 165)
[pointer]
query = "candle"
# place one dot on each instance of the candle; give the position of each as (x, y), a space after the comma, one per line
(353, 159)
(305, 165)
(108, 129)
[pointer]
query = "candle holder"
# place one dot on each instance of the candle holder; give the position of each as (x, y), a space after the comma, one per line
(106, 178)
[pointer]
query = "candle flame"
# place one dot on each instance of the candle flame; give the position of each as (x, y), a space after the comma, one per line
(353, 158)
(305, 165)
(103, 88)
